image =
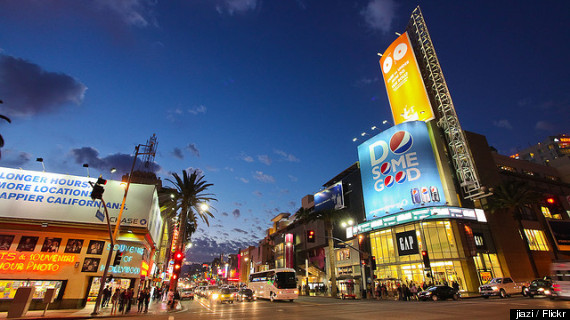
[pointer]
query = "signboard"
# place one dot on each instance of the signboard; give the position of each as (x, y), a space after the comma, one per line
(407, 243)
(398, 171)
(404, 84)
(561, 232)
(57, 197)
(331, 198)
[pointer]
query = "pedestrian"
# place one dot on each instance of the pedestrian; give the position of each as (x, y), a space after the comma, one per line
(170, 299)
(140, 299)
(115, 301)
(146, 301)
(414, 291)
(129, 297)
(122, 301)
(176, 299)
(455, 286)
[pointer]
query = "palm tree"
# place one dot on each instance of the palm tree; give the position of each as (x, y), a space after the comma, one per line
(186, 200)
(328, 217)
(9, 121)
(511, 196)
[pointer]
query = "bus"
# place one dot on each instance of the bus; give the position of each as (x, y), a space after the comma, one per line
(274, 284)
(561, 279)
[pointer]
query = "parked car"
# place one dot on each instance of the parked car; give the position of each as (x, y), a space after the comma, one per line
(439, 293)
(187, 294)
(540, 287)
(245, 294)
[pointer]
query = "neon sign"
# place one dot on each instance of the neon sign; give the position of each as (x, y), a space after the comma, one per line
(39, 262)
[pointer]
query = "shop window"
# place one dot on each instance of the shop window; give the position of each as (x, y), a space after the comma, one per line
(545, 212)
(536, 240)
(8, 288)
(527, 213)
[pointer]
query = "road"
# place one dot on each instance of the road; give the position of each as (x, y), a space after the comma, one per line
(328, 308)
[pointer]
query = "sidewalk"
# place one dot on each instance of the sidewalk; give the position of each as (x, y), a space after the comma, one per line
(154, 308)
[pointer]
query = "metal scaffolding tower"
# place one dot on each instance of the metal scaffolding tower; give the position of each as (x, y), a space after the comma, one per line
(447, 117)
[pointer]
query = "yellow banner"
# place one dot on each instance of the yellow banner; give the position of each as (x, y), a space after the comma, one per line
(404, 84)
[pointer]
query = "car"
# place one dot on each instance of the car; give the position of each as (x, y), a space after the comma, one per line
(245, 294)
(222, 295)
(439, 293)
(187, 294)
(540, 287)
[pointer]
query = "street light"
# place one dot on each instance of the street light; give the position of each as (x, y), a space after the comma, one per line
(42, 161)
(86, 166)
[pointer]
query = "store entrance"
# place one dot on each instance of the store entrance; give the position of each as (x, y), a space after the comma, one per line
(114, 284)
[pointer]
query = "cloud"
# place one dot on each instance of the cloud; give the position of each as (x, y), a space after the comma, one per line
(177, 153)
(212, 169)
(244, 180)
(240, 230)
(236, 213)
(257, 193)
(366, 81)
(243, 156)
(293, 178)
(192, 147)
(238, 204)
(379, 14)
(122, 162)
(14, 159)
(137, 13)
(28, 90)
(232, 7)
(260, 176)
(206, 248)
(545, 126)
(293, 204)
(284, 191)
(286, 156)
(503, 124)
(230, 169)
(225, 214)
(197, 110)
(263, 158)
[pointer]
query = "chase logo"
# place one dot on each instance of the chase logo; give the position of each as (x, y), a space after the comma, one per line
(401, 142)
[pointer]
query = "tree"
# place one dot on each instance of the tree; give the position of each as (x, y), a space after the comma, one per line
(9, 121)
(511, 196)
(186, 199)
(328, 217)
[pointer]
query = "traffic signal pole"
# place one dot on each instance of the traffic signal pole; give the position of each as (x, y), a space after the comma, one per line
(109, 255)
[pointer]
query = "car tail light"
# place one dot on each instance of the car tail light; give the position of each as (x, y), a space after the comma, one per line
(556, 287)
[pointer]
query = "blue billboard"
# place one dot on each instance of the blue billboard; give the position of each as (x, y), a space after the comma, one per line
(331, 198)
(399, 171)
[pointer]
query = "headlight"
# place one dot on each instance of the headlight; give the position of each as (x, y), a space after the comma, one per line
(547, 292)
(540, 289)
(215, 296)
(296, 291)
(495, 288)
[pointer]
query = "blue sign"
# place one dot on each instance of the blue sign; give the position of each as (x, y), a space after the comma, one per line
(398, 171)
(99, 215)
(331, 198)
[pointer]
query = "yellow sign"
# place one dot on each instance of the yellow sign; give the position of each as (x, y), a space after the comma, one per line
(404, 84)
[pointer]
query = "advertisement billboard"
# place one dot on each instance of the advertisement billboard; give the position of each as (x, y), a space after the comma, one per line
(407, 243)
(331, 198)
(404, 84)
(399, 171)
(59, 197)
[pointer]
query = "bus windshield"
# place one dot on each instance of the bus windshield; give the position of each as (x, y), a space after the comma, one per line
(285, 280)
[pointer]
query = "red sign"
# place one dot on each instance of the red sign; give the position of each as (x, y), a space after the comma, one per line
(33, 262)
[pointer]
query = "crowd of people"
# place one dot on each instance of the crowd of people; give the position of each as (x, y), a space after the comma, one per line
(405, 291)
(122, 300)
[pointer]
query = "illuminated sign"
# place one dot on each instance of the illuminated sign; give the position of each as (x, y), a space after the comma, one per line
(34, 262)
(398, 171)
(404, 84)
(407, 243)
(174, 240)
(331, 198)
(56, 197)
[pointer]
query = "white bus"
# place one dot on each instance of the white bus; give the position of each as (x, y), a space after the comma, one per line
(274, 284)
(561, 279)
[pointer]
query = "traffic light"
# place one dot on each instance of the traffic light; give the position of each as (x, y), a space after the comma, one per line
(178, 258)
(425, 256)
(373, 263)
(311, 236)
(118, 258)
(97, 192)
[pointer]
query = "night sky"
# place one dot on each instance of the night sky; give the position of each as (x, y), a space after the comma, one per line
(264, 97)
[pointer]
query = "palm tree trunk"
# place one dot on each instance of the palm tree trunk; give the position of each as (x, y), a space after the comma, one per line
(181, 241)
(332, 258)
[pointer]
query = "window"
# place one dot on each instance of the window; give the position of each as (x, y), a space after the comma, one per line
(507, 168)
(536, 240)
(545, 212)
(528, 173)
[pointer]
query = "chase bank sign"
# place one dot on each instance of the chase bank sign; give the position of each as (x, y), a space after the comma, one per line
(398, 171)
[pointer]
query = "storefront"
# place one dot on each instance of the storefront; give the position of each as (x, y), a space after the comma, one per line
(451, 238)
(51, 236)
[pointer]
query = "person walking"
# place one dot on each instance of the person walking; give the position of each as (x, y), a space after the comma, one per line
(129, 298)
(414, 291)
(106, 296)
(146, 300)
(140, 300)
(122, 301)
(115, 301)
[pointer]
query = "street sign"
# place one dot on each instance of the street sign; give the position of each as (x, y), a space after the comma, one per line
(99, 215)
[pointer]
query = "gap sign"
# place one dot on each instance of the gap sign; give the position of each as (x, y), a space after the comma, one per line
(398, 171)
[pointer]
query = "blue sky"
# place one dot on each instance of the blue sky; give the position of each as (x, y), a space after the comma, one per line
(262, 96)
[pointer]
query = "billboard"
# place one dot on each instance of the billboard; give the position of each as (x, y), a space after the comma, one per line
(404, 84)
(331, 198)
(399, 171)
(407, 243)
(59, 197)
